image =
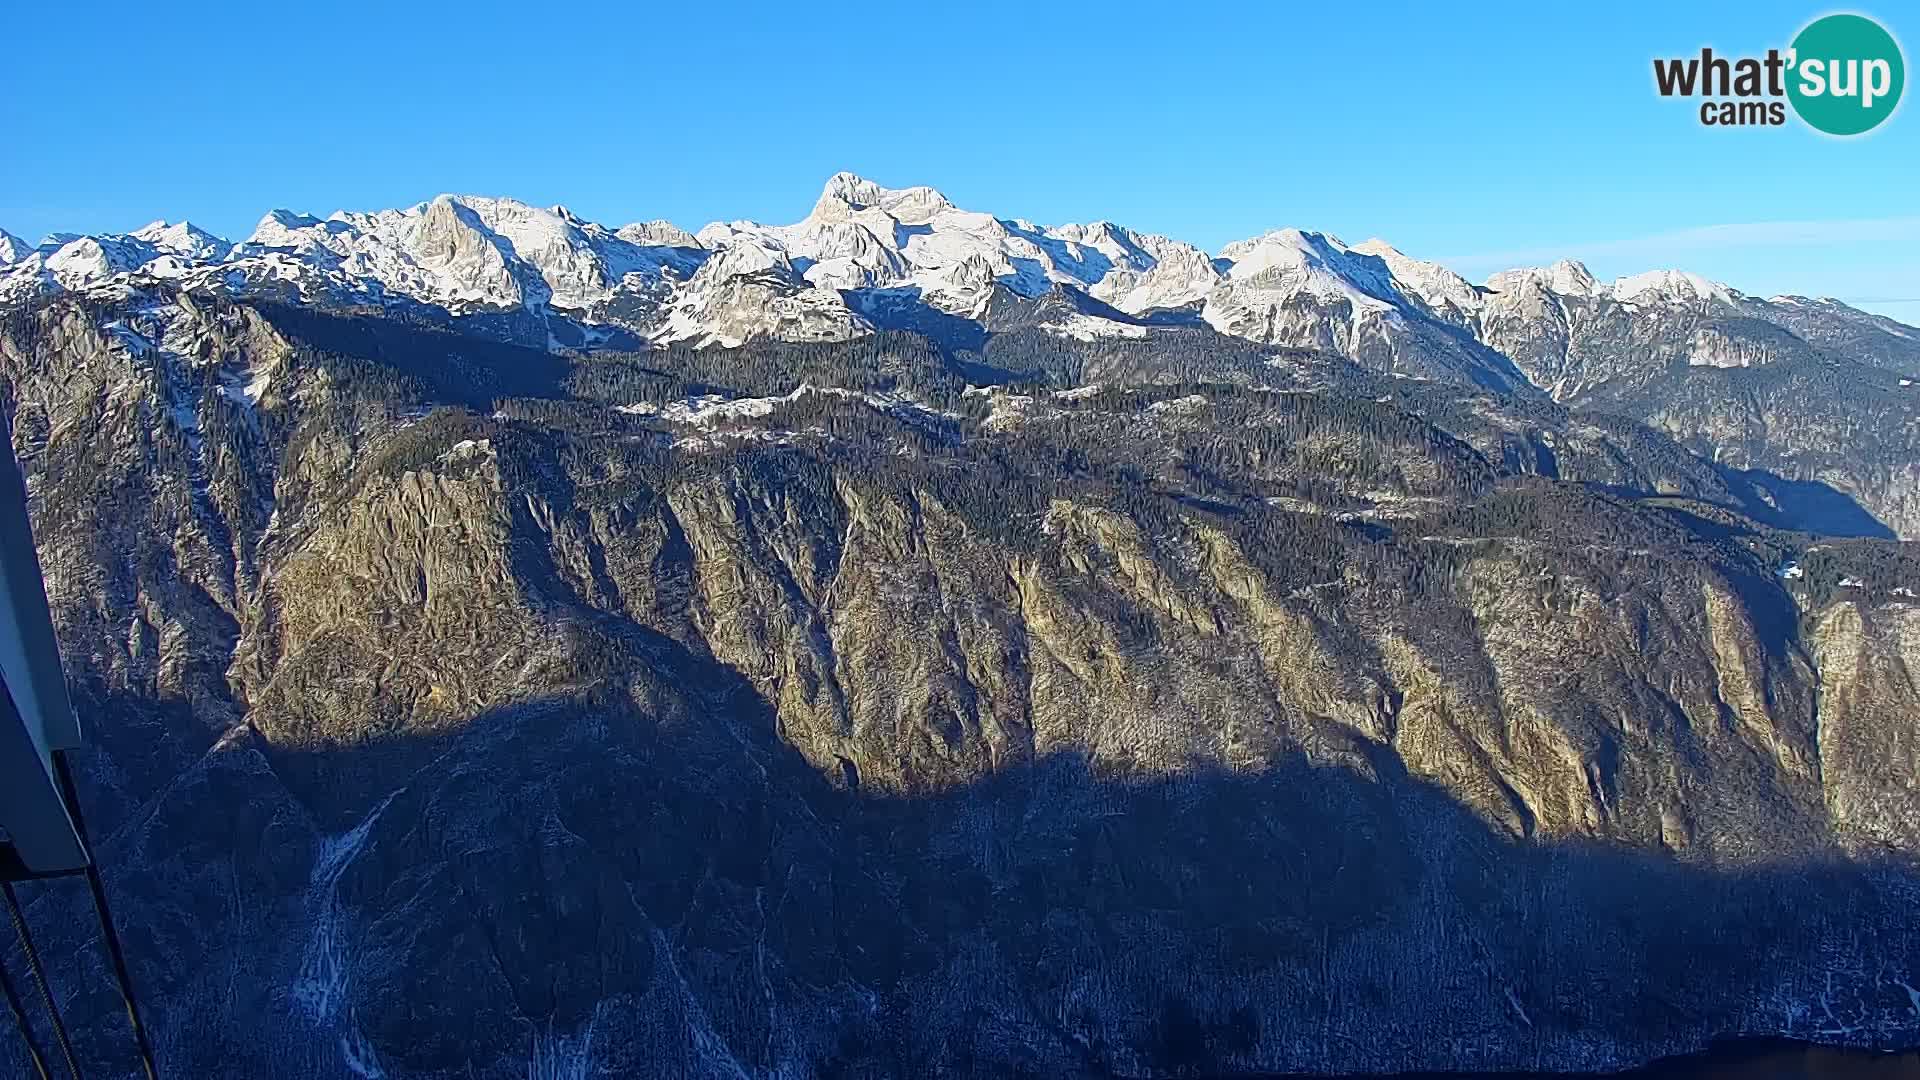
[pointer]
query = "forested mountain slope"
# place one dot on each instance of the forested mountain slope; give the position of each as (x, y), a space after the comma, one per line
(1162, 706)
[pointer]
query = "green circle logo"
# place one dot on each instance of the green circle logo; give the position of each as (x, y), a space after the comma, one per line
(1847, 73)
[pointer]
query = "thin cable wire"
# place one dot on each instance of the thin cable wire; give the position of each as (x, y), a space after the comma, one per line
(26, 1029)
(71, 796)
(40, 978)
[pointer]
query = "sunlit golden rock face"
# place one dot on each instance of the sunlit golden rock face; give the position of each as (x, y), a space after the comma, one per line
(665, 730)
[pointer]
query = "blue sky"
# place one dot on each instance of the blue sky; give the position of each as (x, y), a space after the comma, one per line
(1514, 134)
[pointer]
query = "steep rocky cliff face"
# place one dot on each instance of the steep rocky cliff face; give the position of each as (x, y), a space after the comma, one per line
(1806, 430)
(1805, 394)
(466, 711)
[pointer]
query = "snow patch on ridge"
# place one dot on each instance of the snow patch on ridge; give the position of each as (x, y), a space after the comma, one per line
(1670, 285)
(865, 257)
(321, 987)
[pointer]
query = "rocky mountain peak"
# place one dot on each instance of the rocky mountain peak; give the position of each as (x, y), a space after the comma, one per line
(1566, 277)
(184, 239)
(657, 233)
(283, 228)
(874, 257)
(852, 189)
(1671, 286)
(1571, 277)
(740, 260)
(12, 248)
(846, 194)
(1317, 262)
(1430, 281)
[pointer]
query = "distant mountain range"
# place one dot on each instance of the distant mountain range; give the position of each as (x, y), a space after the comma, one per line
(1690, 356)
(869, 258)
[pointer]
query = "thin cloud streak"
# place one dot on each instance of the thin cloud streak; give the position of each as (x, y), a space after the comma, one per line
(1664, 245)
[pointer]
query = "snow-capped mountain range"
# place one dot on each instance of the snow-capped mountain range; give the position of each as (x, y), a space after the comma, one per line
(868, 258)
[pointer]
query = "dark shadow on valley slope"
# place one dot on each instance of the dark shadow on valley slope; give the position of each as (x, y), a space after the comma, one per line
(450, 367)
(645, 876)
(1808, 506)
(1816, 507)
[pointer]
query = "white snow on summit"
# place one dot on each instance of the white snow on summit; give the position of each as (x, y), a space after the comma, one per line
(83, 260)
(469, 252)
(12, 248)
(1430, 281)
(1306, 289)
(1670, 285)
(1566, 277)
(185, 239)
(1313, 263)
(865, 257)
(860, 235)
(1569, 278)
